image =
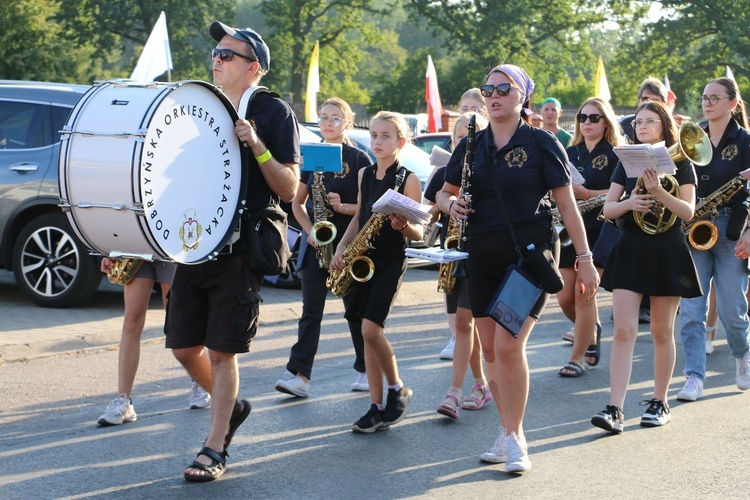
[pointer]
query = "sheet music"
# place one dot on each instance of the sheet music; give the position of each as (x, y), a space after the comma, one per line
(393, 202)
(438, 255)
(576, 176)
(439, 156)
(636, 158)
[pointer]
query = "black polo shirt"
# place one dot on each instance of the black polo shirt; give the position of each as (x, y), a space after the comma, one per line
(730, 157)
(596, 166)
(525, 170)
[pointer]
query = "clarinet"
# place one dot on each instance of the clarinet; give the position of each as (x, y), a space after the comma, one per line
(464, 193)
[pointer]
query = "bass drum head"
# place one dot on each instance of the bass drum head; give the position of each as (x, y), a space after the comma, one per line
(191, 176)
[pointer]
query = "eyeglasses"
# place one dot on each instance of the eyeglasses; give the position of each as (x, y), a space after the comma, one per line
(593, 118)
(711, 99)
(648, 121)
(227, 55)
(334, 120)
(503, 89)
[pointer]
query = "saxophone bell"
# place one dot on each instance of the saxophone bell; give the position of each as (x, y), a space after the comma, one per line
(122, 271)
(323, 233)
(703, 235)
(362, 268)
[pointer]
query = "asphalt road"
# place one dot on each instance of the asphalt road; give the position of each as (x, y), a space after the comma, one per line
(50, 446)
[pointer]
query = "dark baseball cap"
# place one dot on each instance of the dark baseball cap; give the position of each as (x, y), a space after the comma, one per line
(218, 30)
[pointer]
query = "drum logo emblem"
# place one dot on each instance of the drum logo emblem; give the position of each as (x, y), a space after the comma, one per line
(190, 231)
(516, 157)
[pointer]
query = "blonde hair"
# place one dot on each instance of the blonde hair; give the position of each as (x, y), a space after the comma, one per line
(346, 112)
(612, 132)
(402, 128)
(481, 123)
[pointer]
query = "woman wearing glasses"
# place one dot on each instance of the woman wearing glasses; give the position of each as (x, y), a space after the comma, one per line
(522, 164)
(335, 118)
(658, 265)
(590, 151)
(725, 262)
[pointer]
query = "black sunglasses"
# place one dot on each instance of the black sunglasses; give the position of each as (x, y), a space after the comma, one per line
(227, 55)
(503, 89)
(593, 117)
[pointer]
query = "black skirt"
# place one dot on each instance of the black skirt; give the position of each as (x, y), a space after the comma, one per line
(659, 265)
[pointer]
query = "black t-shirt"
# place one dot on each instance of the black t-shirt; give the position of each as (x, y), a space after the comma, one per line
(596, 167)
(730, 157)
(525, 170)
(371, 190)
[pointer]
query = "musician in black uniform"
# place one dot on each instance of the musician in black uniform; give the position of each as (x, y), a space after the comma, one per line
(726, 262)
(525, 164)
(335, 118)
(642, 263)
(590, 151)
(371, 300)
(215, 305)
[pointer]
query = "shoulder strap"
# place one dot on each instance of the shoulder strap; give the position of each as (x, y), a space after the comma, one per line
(247, 98)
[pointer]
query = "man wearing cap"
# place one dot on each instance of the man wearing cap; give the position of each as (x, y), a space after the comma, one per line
(551, 113)
(215, 305)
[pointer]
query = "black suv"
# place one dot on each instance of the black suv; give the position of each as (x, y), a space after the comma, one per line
(50, 265)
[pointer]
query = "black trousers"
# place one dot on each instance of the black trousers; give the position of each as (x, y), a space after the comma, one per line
(314, 294)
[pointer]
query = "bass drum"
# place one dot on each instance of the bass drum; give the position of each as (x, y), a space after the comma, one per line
(153, 171)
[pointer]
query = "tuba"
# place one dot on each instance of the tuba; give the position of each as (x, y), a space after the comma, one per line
(123, 270)
(693, 144)
(323, 231)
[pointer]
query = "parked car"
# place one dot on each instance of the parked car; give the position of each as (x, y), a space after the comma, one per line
(425, 142)
(50, 265)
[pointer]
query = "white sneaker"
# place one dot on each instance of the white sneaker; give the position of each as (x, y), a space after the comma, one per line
(497, 454)
(743, 372)
(518, 456)
(710, 334)
(294, 386)
(361, 384)
(447, 353)
(119, 411)
(692, 390)
(198, 397)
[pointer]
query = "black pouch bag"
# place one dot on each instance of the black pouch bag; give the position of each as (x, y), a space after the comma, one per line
(514, 300)
(545, 267)
(268, 251)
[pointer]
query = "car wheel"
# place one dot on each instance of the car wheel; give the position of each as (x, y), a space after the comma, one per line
(52, 268)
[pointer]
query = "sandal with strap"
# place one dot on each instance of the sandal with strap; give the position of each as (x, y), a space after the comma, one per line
(214, 470)
(573, 370)
(595, 350)
(480, 394)
(239, 415)
(449, 406)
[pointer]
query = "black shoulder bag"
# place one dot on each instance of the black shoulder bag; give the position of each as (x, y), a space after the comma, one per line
(268, 250)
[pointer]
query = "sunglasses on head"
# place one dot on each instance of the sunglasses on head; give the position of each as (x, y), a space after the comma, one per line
(227, 55)
(503, 89)
(593, 117)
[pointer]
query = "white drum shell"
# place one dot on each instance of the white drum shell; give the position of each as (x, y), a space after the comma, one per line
(139, 163)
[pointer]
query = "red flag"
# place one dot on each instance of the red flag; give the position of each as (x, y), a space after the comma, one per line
(432, 96)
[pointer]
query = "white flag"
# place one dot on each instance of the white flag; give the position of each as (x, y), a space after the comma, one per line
(156, 59)
(730, 75)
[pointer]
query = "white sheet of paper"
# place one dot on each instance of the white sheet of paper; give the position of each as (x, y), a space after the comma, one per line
(636, 158)
(393, 202)
(576, 176)
(438, 255)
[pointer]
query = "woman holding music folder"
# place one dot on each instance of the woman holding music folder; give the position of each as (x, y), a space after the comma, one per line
(340, 199)
(371, 300)
(515, 166)
(650, 258)
(726, 261)
(591, 152)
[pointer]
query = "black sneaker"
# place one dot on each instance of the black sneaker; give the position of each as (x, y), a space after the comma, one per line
(397, 405)
(370, 422)
(656, 414)
(610, 419)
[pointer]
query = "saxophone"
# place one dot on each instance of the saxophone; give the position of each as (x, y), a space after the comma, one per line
(358, 266)
(583, 207)
(456, 234)
(323, 231)
(703, 234)
(123, 270)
